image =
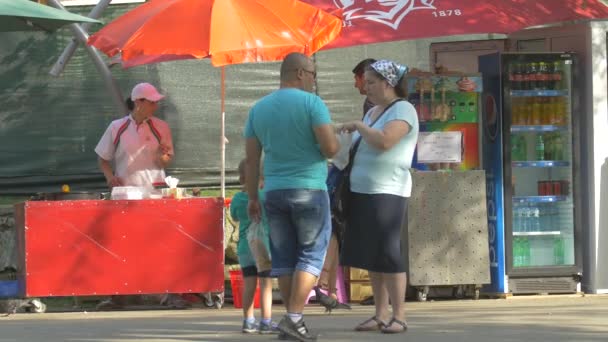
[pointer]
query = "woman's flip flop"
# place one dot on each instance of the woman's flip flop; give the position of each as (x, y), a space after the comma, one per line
(401, 327)
(365, 326)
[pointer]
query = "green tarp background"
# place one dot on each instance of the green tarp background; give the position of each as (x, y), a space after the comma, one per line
(49, 126)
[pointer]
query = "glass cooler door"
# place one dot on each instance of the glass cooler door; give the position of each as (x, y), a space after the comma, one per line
(538, 98)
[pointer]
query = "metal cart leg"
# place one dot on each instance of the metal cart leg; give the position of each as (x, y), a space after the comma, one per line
(422, 293)
(459, 291)
(476, 289)
(35, 305)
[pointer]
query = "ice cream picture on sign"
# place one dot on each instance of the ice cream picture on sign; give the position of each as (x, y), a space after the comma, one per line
(466, 85)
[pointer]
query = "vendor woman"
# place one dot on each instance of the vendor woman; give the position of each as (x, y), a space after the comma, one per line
(135, 149)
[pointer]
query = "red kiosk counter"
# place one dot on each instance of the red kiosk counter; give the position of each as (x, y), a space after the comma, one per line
(108, 247)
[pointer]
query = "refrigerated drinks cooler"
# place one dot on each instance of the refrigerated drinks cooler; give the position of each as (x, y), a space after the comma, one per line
(530, 128)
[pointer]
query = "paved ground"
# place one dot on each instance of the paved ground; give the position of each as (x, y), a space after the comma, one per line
(549, 318)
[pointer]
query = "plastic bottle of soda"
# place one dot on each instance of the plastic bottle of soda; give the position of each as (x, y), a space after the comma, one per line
(558, 147)
(550, 71)
(525, 111)
(533, 76)
(515, 147)
(546, 112)
(560, 110)
(542, 76)
(557, 75)
(540, 147)
(523, 148)
(525, 251)
(526, 77)
(548, 142)
(513, 71)
(517, 252)
(516, 111)
(551, 111)
(558, 250)
(519, 76)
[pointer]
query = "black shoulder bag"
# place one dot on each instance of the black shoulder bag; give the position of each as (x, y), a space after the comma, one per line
(342, 194)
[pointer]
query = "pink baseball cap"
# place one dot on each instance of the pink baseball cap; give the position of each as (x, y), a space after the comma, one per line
(146, 91)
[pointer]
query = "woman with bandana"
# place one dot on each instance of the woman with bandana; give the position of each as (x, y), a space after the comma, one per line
(380, 183)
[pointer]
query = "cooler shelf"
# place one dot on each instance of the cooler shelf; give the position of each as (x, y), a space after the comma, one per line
(539, 199)
(541, 163)
(537, 233)
(529, 93)
(538, 128)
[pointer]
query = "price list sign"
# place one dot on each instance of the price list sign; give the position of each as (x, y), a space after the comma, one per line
(439, 147)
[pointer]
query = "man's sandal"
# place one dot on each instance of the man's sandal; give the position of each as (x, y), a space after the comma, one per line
(388, 328)
(366, 326)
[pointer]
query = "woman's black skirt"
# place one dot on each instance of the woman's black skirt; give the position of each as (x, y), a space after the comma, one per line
(372, 239)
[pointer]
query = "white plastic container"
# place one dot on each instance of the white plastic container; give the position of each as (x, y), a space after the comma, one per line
(128, 193)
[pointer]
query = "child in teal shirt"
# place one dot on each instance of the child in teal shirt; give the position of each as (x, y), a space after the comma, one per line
(253, 266)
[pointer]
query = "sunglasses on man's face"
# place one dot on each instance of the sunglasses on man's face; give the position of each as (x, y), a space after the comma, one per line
(312, 72)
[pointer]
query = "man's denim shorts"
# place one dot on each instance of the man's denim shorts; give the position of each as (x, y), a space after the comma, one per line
(300, 228)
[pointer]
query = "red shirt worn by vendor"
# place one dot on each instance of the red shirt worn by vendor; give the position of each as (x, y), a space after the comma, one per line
(134, 150)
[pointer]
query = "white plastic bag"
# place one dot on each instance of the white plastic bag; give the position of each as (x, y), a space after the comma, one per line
(257, 238)
(340, 160)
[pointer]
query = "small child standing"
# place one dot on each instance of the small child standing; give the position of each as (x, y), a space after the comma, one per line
(251, 269)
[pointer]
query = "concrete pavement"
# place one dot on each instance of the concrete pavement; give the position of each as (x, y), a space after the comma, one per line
(546, 318)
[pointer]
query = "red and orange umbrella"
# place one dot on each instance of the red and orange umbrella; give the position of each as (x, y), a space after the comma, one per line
(226, 31)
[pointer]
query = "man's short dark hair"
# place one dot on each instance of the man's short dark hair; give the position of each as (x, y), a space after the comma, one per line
(360, 67)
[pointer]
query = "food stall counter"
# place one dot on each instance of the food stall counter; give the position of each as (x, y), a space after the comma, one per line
(107, 247)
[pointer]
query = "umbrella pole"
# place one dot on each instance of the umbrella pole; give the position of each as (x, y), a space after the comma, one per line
(223, 136)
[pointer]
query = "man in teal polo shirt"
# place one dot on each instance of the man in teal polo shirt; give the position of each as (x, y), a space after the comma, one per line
(293, 128)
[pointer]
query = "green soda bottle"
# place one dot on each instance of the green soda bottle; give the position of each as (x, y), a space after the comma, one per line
(558, 148)
(558, 250)
(525, 251)
(523, 148)
(540, 147)
(516, 252)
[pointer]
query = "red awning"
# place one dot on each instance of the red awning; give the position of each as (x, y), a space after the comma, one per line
(374, 21)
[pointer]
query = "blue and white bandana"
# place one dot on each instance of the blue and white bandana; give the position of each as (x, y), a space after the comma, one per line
(391, 71)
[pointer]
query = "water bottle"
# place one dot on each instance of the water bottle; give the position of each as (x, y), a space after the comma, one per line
(543, 218)
(558, 250)
(516, 219)
(526, 216)
(535, 219)
(552, 218)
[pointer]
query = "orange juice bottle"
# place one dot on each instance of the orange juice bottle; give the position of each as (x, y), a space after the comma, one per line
(516, 111)
(528, 111)
(546, 111)
(536, 111)
(551, 110)
(560, 111)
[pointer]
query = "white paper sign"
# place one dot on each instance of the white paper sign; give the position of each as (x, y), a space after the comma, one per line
(439, 147)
